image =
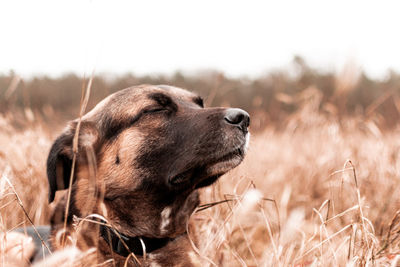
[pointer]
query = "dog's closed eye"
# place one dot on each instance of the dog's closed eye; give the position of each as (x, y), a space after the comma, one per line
(164, 101)
(155, 110)
(199, 101)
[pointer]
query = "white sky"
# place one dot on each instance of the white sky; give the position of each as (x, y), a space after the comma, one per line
(237, 37)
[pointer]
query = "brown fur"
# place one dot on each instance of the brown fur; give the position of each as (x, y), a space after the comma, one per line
(142, 154)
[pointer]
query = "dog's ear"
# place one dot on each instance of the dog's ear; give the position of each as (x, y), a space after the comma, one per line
(59, 161)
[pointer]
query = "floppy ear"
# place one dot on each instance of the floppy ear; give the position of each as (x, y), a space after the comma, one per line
(59, 161)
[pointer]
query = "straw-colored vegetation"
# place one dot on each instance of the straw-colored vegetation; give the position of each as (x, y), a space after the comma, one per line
(319, 189)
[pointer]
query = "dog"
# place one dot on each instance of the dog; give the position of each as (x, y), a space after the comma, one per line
(140, 157)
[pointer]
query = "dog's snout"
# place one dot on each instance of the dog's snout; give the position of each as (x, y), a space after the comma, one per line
(238, 117)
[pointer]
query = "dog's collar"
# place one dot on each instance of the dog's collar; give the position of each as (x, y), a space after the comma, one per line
(124, 245)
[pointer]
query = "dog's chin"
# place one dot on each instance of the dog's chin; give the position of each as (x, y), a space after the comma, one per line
(220, 166)
(209, 170)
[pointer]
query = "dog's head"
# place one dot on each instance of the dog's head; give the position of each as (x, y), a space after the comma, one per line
(143, 152)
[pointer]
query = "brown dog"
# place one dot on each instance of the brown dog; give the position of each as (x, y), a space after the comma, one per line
(142, 154)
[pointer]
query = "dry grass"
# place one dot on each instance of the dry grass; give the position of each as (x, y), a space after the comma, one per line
(317, 193)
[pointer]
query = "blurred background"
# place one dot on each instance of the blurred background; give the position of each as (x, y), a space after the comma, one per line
(320, 79)
(261, 56)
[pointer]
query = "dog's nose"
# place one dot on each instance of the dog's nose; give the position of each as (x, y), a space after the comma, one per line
(238, 117)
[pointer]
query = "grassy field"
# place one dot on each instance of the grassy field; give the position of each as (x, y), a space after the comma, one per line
(316, 189)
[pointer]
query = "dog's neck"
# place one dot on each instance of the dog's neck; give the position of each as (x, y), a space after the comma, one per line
(124, 245)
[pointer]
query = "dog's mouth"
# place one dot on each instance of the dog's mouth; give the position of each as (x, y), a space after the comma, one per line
(209, 171)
